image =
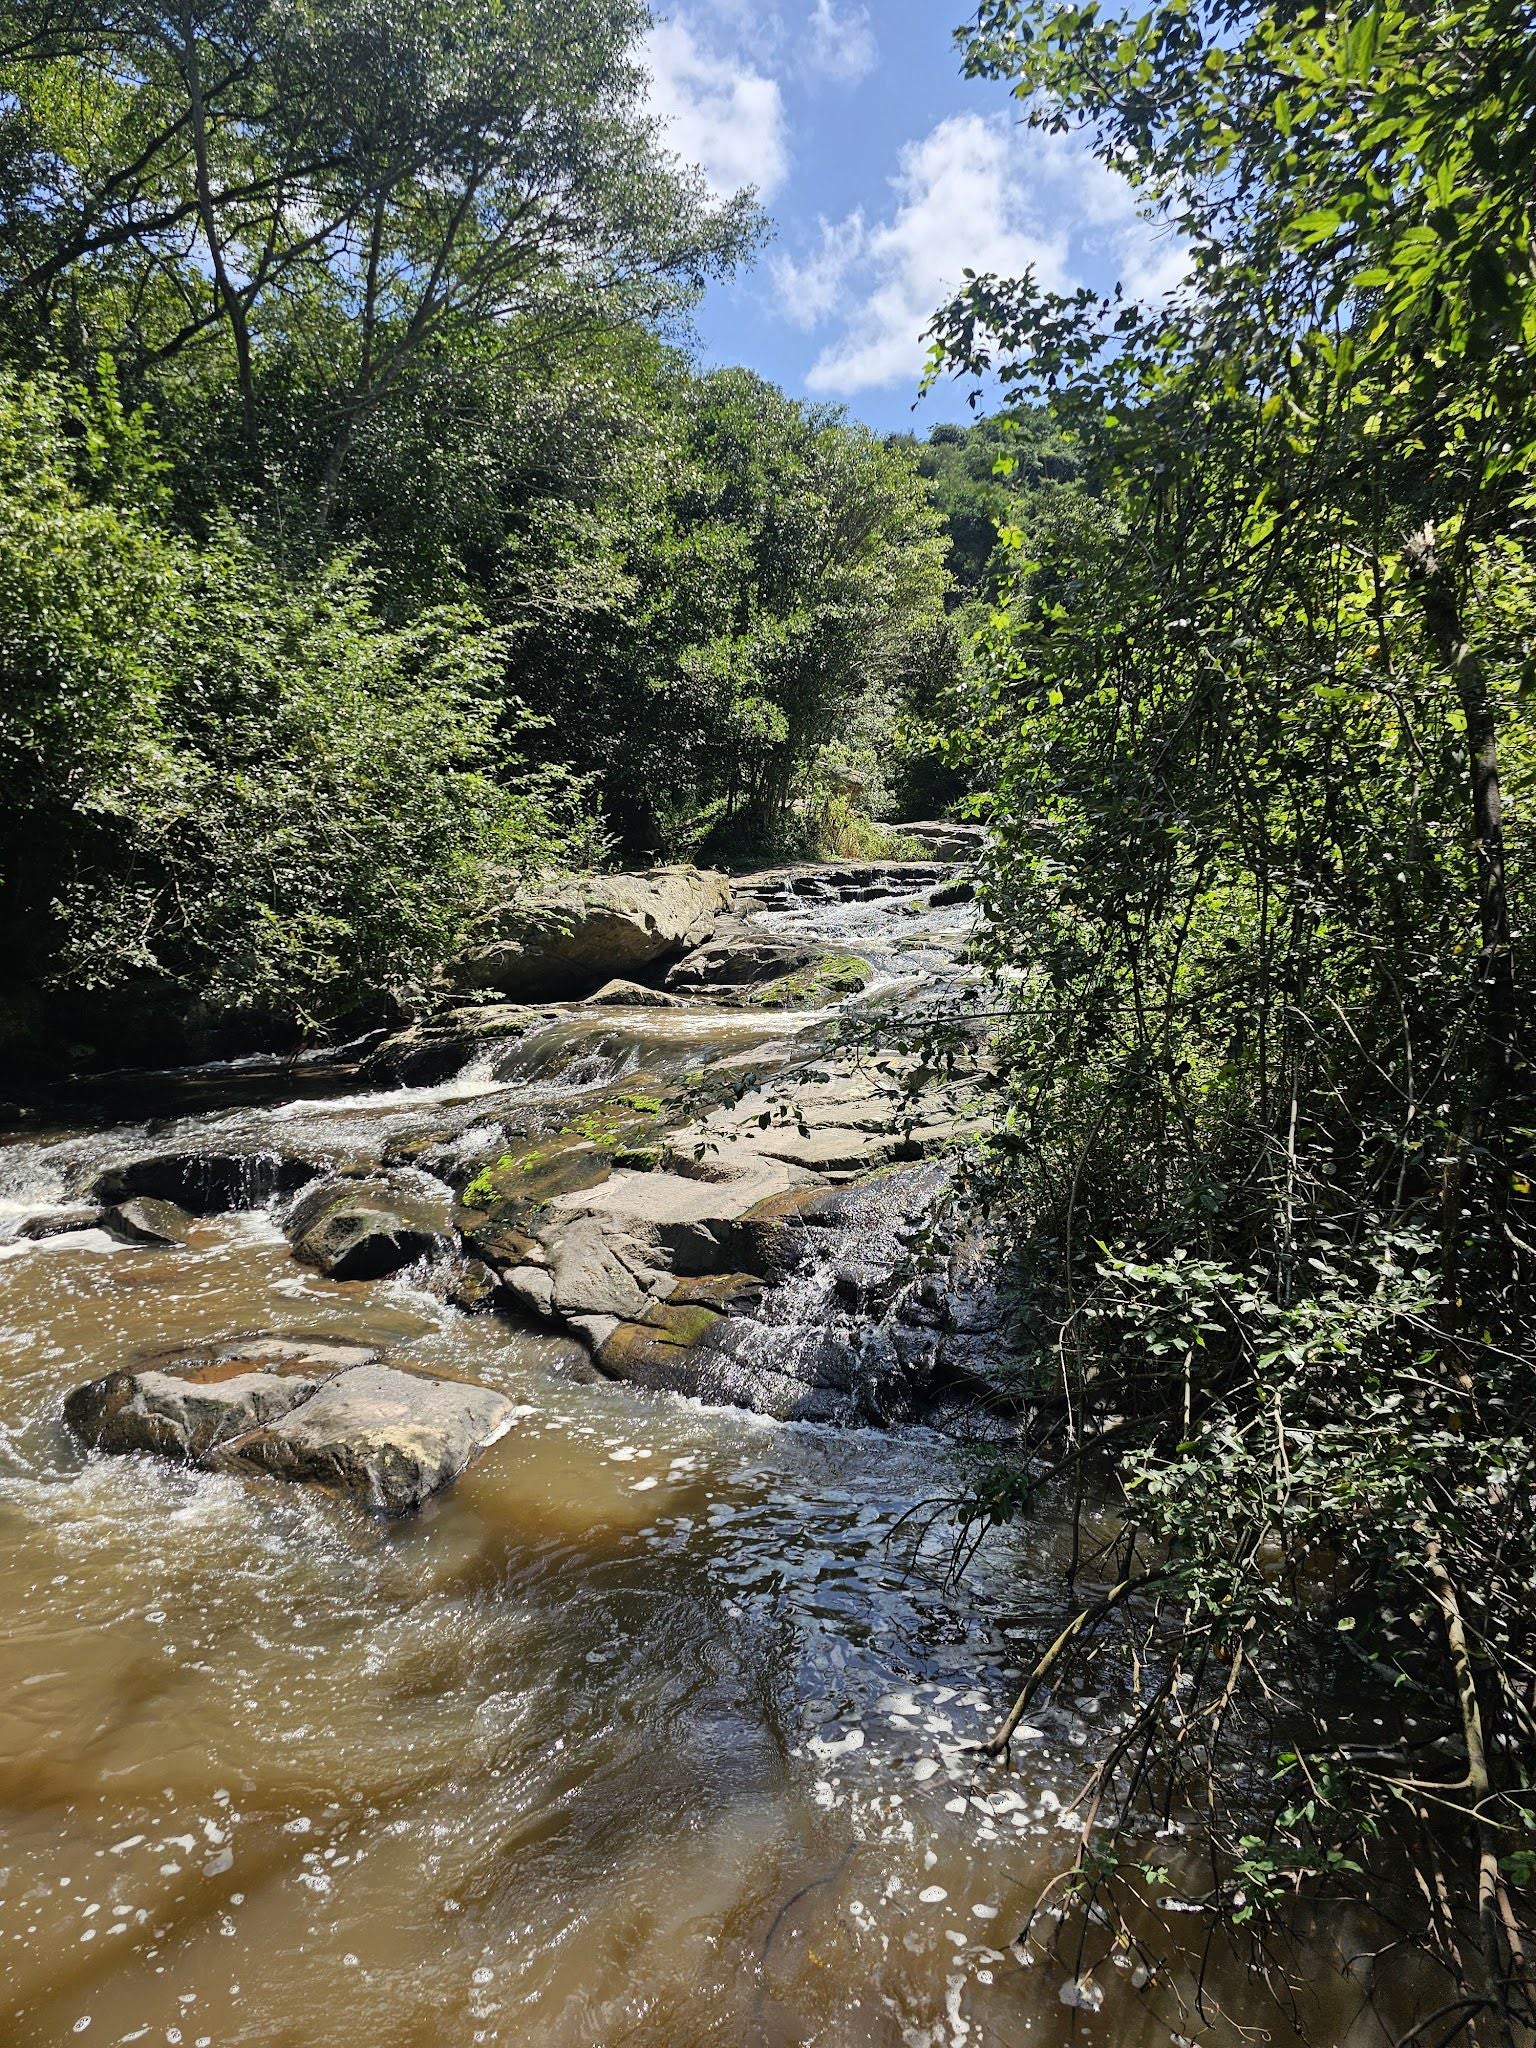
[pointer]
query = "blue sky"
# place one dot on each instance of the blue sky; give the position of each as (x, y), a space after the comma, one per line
(886, 174)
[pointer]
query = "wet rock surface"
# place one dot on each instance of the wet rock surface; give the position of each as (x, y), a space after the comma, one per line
(389, 1439)
(736, 957)
(633, 995)
(708, 1202)
(318, 1411)
(59, 1221)
(205, 1182)
(351, 1229)
(146, 1220)
(185, 1404)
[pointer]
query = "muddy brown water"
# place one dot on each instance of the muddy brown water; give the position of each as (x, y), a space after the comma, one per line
(643, 1734)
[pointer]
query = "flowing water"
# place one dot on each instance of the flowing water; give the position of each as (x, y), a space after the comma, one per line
(645, 1732)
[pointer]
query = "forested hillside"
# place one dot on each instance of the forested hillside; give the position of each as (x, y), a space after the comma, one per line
(366, 538)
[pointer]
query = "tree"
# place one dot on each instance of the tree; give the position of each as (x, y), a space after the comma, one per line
(331, 193)
(228, 792)
(1257, 708)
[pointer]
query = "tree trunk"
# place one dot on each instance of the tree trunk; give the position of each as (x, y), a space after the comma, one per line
(229, 292)
(1448, 636)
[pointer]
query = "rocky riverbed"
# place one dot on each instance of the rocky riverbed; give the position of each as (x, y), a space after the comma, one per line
(458, 1512)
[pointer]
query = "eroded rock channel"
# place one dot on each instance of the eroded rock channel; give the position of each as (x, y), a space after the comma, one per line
(705, 1179)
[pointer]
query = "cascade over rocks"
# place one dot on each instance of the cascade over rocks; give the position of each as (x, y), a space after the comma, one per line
(437, 1047)
(705, 1207)
(206, 1183)
(568, 939)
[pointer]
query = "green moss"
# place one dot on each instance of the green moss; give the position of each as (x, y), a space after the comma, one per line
(638, 1158)
(483, 1190)
(823, 981)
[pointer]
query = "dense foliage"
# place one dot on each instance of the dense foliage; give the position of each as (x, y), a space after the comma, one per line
(367, 540)
(224, 789)
(1258, 692)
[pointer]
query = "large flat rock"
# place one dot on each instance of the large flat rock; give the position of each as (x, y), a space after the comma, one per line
(389, 1439)
(838, 1120)
(311, 1409)
(185, 1404)
(568, 940)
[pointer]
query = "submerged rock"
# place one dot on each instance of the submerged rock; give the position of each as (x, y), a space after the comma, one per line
(569, 939)
(64, 1220)
(387, 1438)
(463, 1282)
(351, 1229)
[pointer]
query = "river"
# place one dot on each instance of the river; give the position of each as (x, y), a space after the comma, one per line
(649, 1731)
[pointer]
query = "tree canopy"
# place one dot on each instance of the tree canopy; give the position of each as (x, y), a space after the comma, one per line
(1256, 695)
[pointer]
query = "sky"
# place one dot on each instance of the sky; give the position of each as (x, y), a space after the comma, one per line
(886, 174)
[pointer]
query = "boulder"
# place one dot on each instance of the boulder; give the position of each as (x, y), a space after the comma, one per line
(184, 1404)
(633, 995)
(362, 1229)
(570, 939)
(827, 981)
(204, 1182)
(655, 1225)
(739, 957)
(303, 1409)
(144, 1219)
(178, 1417)
(389, 1439)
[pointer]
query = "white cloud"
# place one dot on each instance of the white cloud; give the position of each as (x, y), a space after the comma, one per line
(840, 46)
(810, 289)
(978, 193)
(720, 112)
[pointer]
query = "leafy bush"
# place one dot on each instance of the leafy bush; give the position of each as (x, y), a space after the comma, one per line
(223, 783)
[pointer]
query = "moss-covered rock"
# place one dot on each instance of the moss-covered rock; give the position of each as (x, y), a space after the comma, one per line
(823, 982)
